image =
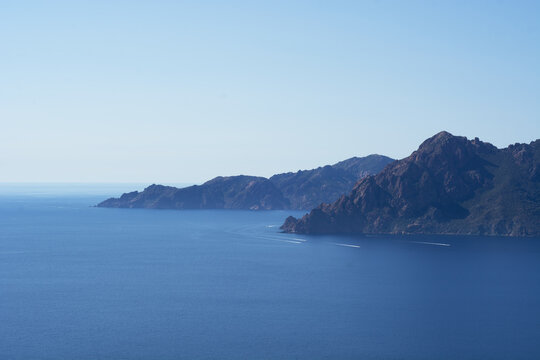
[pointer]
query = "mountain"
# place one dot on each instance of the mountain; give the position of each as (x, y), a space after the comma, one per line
(301, 190)
(234, 192)
(309, 188)
(450, 185)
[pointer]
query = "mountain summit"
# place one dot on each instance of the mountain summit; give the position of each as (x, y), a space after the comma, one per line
(450, 185)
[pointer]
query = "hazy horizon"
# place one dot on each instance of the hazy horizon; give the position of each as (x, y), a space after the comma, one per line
(167, 92)
(181, 182)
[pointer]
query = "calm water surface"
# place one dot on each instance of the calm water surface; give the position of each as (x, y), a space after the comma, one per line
(78, 282)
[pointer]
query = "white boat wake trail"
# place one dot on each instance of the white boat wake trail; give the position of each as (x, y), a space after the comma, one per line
(348, 245)
(291, 241)
(430, 243)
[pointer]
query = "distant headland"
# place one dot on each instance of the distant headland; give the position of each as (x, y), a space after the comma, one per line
(301, 190)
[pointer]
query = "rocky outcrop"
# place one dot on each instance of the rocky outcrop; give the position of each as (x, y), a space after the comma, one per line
(306, 189)
(301, 190)
(450, 185)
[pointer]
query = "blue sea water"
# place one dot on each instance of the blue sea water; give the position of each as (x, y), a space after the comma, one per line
(79, 282)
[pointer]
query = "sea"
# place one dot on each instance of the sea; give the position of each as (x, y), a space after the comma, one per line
(79, 282)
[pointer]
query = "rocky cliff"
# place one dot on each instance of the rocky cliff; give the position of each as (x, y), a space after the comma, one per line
(450, 185)
(306, 189)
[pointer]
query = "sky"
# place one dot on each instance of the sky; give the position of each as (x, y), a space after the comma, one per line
(183, 91)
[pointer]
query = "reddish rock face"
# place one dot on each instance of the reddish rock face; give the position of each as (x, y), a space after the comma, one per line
(450, 185)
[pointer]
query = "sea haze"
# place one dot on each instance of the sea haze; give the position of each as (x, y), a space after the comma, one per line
(80, 282)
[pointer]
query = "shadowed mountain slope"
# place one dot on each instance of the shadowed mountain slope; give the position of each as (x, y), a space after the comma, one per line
(308, 188)
(235, 192)
(450, 185)
(301, 190)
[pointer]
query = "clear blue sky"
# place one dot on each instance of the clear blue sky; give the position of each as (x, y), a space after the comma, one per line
(182, 91)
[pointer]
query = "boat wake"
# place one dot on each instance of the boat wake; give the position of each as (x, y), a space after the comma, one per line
(348, 245)
(430, 243)
(291, 241)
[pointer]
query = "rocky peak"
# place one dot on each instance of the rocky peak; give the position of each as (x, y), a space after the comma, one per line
(449, 185)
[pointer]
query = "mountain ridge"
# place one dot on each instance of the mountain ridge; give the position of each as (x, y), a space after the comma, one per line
(303, 189)
(450, 185)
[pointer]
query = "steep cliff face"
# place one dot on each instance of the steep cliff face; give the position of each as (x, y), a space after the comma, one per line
(301, 190)
(450, 185)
